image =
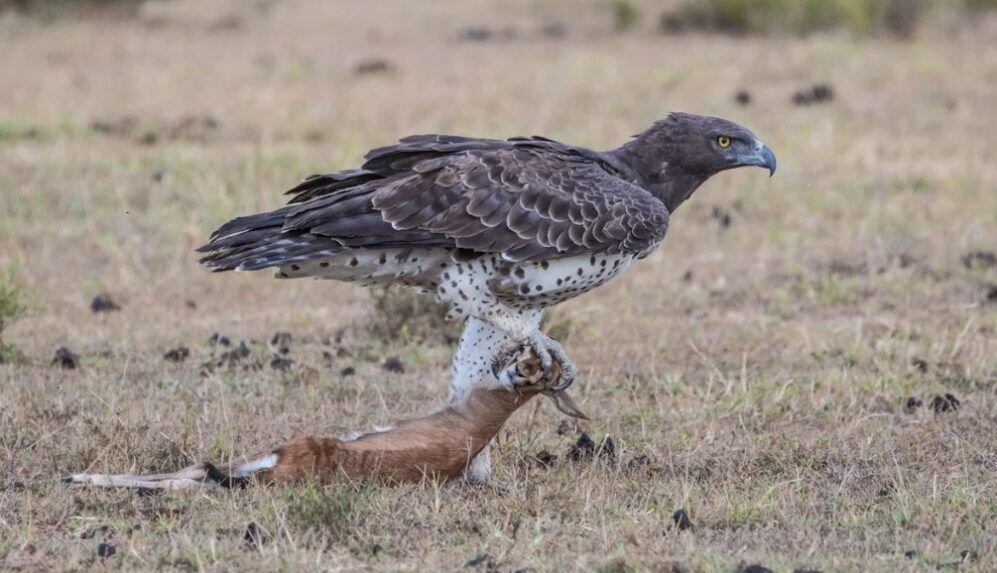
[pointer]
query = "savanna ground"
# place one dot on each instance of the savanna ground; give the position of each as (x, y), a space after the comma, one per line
(756, 370)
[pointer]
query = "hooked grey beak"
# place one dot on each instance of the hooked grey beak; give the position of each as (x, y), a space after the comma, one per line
(761, 157)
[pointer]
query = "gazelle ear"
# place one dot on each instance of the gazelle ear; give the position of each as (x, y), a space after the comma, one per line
(566, 404)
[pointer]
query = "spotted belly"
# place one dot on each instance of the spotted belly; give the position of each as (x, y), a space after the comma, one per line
(545, 283)
(485, 286)
(476, 287)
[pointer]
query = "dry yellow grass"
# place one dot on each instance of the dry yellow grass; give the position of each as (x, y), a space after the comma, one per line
(761, 369)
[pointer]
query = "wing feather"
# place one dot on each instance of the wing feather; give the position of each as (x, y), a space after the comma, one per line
(526, 199)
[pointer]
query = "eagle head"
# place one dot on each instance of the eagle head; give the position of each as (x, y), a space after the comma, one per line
(677, 154)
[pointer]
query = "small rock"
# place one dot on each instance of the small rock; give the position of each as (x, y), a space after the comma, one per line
(681, 520)
(394, 364)
(218, 339)
(123, 126)
(722, 217)
(375, 549)
(992, 293)
(92, 532)
(607, 449)
(227, 23)
(280, 343)
(913, 403)
(149, 138)
(616, 566)
(545, 459)
(191, 305)
(823, 92)
(281, 363)
(564, 428)
(801, 570)
(638, 462)
(230, 358)
(177, 355)
(192, 128)
(477, 560)
(554, 30)
(373, 66)
(910, 553)
(348, 371)
(104, 303)
(756, 569)
(743, 97)
(979, 260)
(945, 403)
(106, 550)
(819, 93)
(903, 260)
(66, 359)
(235, 355)
(584, 448)
(920, 364)
(475, 34)
(255, 536)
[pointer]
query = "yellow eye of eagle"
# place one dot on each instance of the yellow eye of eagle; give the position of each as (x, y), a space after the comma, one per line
(723, 141)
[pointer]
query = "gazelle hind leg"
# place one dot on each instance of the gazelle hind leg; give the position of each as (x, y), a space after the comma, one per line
(203, 476)
(193, 477)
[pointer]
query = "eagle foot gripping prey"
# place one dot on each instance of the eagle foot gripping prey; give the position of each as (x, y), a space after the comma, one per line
(527, 373)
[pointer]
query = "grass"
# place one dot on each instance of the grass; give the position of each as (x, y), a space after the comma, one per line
(801, 17)
(53, 9)
(626, 14)
(401, 314)
(13, 130)
(11, 308)
(755, 374)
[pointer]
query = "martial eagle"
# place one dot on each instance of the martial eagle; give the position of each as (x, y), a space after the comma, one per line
(498, 229)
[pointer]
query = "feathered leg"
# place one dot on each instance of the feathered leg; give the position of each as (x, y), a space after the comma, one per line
(481, 348)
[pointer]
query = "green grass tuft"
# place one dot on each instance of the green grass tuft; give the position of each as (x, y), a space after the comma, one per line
(15, 129)
(899, 18)
(51, 9)
(626, 14)
(11, 308)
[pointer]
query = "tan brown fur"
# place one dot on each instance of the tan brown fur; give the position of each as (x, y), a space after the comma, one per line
(437, 446)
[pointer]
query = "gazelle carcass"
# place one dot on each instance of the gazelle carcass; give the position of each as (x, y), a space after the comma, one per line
(438, 446)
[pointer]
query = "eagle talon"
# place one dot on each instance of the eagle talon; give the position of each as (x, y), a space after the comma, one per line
(548, 350)
(525, 375)
(564, 384)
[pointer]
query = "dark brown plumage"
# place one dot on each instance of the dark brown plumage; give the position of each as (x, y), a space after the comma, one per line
(523, 198)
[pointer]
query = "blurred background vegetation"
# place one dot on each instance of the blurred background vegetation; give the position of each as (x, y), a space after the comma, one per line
(899, 18)
(800, 17)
